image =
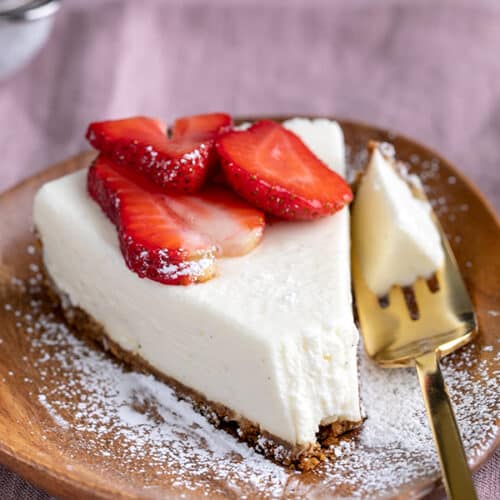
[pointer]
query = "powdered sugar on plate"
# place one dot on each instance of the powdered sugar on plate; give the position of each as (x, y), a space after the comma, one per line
(116, 415)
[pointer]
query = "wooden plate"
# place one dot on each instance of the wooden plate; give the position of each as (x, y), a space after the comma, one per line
(52, 435)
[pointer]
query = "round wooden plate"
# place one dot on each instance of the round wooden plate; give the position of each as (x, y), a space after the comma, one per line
(50, 433)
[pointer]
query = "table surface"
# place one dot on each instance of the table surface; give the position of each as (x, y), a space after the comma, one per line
(429, 70)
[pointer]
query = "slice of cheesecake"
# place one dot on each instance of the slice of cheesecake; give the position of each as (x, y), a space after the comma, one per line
(393, 230)
(267, 347)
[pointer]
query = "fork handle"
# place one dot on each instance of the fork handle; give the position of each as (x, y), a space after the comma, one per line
(456, 474)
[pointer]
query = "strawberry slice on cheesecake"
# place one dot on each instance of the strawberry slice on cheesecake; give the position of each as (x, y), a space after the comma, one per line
(172, 239)
(274, 170)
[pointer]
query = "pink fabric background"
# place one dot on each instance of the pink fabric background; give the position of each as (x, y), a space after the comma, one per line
(430, 70)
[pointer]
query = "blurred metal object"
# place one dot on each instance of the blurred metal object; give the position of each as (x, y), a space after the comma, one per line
(24, 28)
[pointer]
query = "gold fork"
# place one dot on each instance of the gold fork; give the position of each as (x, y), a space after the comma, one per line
(395, 336)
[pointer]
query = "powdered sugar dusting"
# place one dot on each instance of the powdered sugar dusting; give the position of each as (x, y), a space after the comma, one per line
(113, 410)
(118, 415)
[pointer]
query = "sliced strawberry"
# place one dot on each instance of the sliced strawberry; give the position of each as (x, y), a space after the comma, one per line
(155, 241)
(275, 171)
(234, 225)
(179, 165)
(208, 125)
(173, 238)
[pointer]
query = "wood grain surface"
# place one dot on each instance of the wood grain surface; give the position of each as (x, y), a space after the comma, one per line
(28, 444)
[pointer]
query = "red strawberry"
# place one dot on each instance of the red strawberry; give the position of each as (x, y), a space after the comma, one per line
(275, 171)
(208, 125)
(179, 165)
(173, 238)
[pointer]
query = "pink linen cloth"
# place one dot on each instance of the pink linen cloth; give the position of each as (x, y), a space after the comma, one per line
(430, 70)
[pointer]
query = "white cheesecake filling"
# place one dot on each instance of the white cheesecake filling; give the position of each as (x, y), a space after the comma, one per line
(272, 336)
(393, 231)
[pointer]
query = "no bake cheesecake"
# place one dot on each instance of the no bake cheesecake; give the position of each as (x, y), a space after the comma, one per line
(258, 333)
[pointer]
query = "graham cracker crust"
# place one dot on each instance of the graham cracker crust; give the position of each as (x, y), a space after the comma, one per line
(303, 458)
